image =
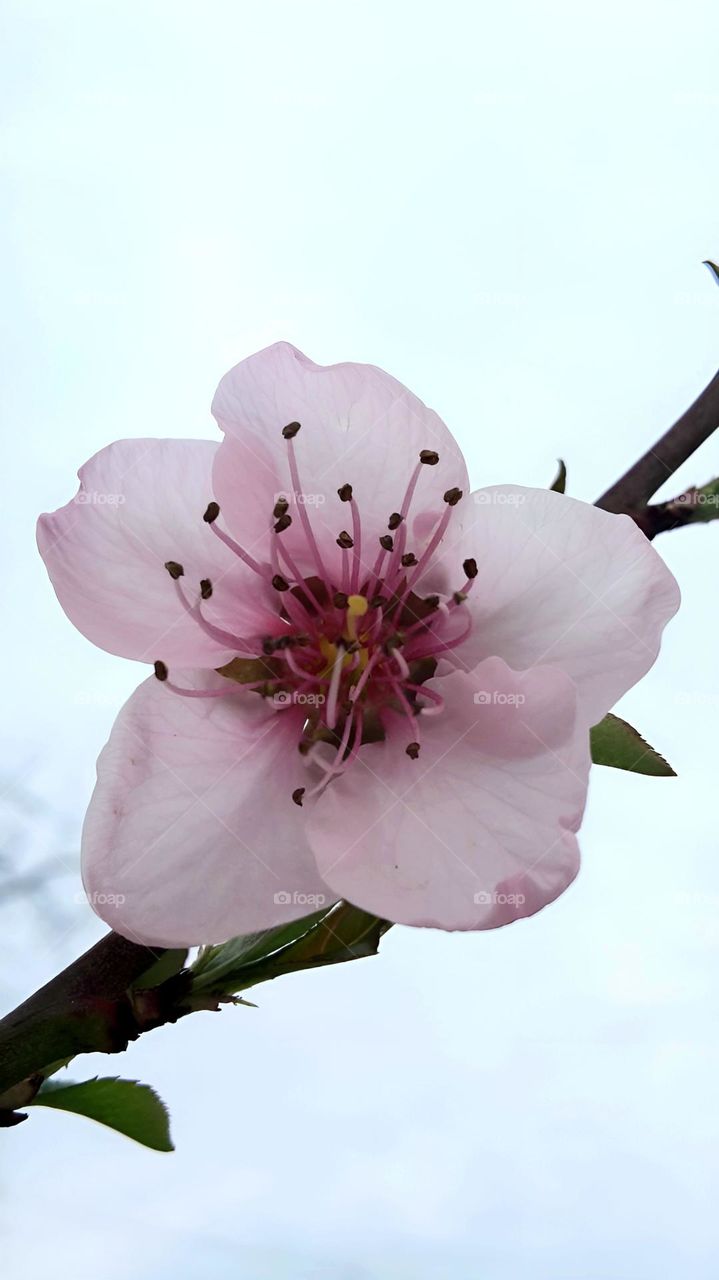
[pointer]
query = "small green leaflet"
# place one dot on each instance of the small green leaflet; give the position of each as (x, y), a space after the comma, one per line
(615, 743)
(125, 1105)
(559, 482)
(713, 268)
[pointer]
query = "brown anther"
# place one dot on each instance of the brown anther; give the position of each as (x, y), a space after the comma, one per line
(378, 602)
(297, 795)
(212, 512)
(280, 508)
(459, 597)
(452, 497)
(345, 541)
(432, 602)
(205, 588)
(409, 558)
(429, 457)
(386, 541)
(412, 750)
(268, 645)
(304, 747)
(470, 568)
(345, 493)
(394, 521)
(279, 583)
(283, 523)
(290, 431)
(161, 670)
(340, 600)
(174, 569)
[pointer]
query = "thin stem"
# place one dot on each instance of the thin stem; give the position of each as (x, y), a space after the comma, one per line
(641, 481)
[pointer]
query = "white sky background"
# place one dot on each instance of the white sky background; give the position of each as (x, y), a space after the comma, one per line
(507, 208)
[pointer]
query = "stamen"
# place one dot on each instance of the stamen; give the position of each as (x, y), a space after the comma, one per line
(225, 638)
(233, 546)
(401, 661)
(289, 432)
(357, 537)
(162, 673)
(331, 708)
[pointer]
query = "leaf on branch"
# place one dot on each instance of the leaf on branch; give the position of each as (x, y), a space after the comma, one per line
(125, 1105)
(713, 268)
(217, 967)
(559, 482)
(331, 936)
(166, 966)
(615, 743)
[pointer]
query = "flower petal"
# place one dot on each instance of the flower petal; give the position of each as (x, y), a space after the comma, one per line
(191, 835)
(480, 829)
(561, 582)
(359, 426)
(140, 504)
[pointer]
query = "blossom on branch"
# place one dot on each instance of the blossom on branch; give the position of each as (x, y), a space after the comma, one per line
(369, 682)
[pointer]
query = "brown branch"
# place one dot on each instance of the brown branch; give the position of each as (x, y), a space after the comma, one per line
(85, 1008)
(640, 482)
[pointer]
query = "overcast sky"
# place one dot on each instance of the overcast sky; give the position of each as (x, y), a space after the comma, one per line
(507, 208)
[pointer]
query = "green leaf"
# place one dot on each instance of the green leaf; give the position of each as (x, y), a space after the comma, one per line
(559, 482)
(713, 268)
(332, 936)
(615, 743)
(168, 964)
(125, 1105)
(218, 967)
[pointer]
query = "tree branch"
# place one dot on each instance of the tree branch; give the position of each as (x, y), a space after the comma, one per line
(640, 482)
(85, 1008)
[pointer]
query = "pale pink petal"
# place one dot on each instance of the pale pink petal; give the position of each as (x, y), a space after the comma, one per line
(480, 829)
(564, 583)
(192, 835)
(140, 504)
(359, 426)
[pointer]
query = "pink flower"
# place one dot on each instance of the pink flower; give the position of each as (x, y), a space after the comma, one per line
(371, 683)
